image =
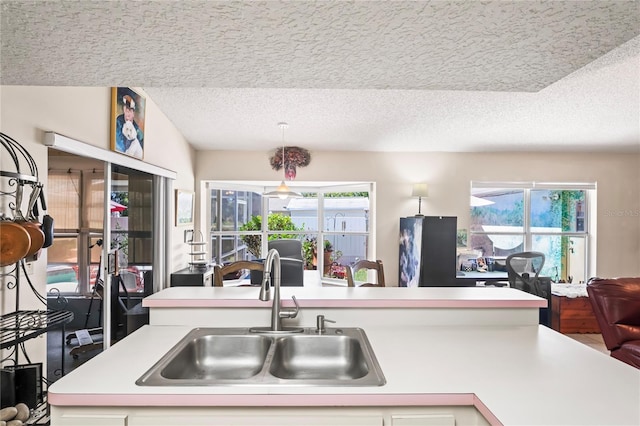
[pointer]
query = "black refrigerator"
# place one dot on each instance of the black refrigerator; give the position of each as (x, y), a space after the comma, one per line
(428, 251)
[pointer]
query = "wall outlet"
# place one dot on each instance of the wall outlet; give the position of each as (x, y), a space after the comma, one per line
(29, 267)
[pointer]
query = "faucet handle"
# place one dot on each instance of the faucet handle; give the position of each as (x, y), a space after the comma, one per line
(290, 313)
(320, 320)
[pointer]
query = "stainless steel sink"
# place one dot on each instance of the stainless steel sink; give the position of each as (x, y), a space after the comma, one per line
(218, 357)
(238, 356)
(319, 357)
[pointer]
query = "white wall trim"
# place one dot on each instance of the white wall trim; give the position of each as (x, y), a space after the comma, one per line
(63, 143)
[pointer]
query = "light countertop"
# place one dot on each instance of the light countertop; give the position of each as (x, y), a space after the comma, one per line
(355, 297)
(521, 375)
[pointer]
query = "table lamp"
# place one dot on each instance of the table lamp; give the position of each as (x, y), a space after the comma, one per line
(420, 190)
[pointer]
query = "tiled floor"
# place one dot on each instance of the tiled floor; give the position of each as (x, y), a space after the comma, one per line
(593, 340)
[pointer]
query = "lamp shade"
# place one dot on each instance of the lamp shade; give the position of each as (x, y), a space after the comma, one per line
(283, 192)
(420, 190)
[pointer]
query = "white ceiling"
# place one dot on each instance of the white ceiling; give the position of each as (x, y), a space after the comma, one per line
(362, 76)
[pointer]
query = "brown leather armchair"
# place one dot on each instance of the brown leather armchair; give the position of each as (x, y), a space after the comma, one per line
(616, 305)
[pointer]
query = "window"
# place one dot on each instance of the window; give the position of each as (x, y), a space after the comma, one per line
(339, 216)
(75, 201)
(132, 221)
(546, 217)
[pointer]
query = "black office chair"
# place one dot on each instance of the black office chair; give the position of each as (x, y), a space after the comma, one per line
(291, 261)
(523, 270)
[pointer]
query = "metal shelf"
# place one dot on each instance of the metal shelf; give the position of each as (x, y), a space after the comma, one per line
(19, 176)
(19, 326)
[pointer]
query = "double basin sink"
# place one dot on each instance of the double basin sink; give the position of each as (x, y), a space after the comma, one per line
(238, 356)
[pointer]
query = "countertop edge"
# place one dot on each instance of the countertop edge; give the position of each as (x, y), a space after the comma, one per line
(333, 303)
(262, 400)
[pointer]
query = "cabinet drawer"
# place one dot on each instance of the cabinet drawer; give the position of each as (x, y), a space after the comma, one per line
(94, 419)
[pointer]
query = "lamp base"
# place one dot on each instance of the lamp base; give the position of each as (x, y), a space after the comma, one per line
(419, 215)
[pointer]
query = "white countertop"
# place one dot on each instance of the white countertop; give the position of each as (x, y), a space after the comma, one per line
(522, 375)
(357, 297)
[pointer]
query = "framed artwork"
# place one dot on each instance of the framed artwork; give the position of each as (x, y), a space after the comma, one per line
(127, 122)
(184, 207)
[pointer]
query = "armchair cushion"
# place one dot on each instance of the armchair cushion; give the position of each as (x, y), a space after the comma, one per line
(629, 352)
(616, 305)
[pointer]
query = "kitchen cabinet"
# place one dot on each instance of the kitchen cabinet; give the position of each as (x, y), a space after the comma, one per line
(271, 416)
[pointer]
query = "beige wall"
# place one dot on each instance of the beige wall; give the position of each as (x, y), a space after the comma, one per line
(26, 113)
(449, 175)
(83, 114)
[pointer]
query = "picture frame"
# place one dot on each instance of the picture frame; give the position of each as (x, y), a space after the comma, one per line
(127, 122)
(185, 201)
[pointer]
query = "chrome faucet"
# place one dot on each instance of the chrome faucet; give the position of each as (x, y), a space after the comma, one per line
(277, 311)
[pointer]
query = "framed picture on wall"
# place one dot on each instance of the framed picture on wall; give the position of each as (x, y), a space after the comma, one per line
(127, 122)
(184, 207)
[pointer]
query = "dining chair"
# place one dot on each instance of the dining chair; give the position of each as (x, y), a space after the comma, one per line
(220, 271)
(369, 265)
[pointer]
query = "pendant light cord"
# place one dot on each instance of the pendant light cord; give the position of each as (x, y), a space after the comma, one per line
(283, 126)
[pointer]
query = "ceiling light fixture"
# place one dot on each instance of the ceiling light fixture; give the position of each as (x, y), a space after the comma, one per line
(283, 191)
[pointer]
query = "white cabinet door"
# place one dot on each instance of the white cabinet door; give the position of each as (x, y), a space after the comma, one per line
(263, 420)
(91, 420)
(423, 420)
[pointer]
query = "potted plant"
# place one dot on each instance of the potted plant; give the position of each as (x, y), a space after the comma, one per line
(308, 250)
(310, 253)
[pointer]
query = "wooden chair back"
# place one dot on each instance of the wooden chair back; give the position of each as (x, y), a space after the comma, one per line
(366, 264)
(220, 271)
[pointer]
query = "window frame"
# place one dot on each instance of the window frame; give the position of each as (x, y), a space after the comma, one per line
(528, 234)
(82, 233)
(320, 188)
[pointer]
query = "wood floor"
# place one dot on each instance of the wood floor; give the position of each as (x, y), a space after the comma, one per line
(592, 340)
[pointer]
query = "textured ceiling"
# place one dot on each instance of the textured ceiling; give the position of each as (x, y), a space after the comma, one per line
(375, 75)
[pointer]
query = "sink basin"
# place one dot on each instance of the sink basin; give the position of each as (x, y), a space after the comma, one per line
(240, 356)
(218, 357)
(319, 357)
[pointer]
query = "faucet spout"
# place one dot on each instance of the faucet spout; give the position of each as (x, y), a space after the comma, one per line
(277, 312)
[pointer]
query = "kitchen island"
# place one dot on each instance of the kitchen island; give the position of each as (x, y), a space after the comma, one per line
(469, 355)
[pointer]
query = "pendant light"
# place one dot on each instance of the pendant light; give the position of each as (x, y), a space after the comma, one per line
(283, 191)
